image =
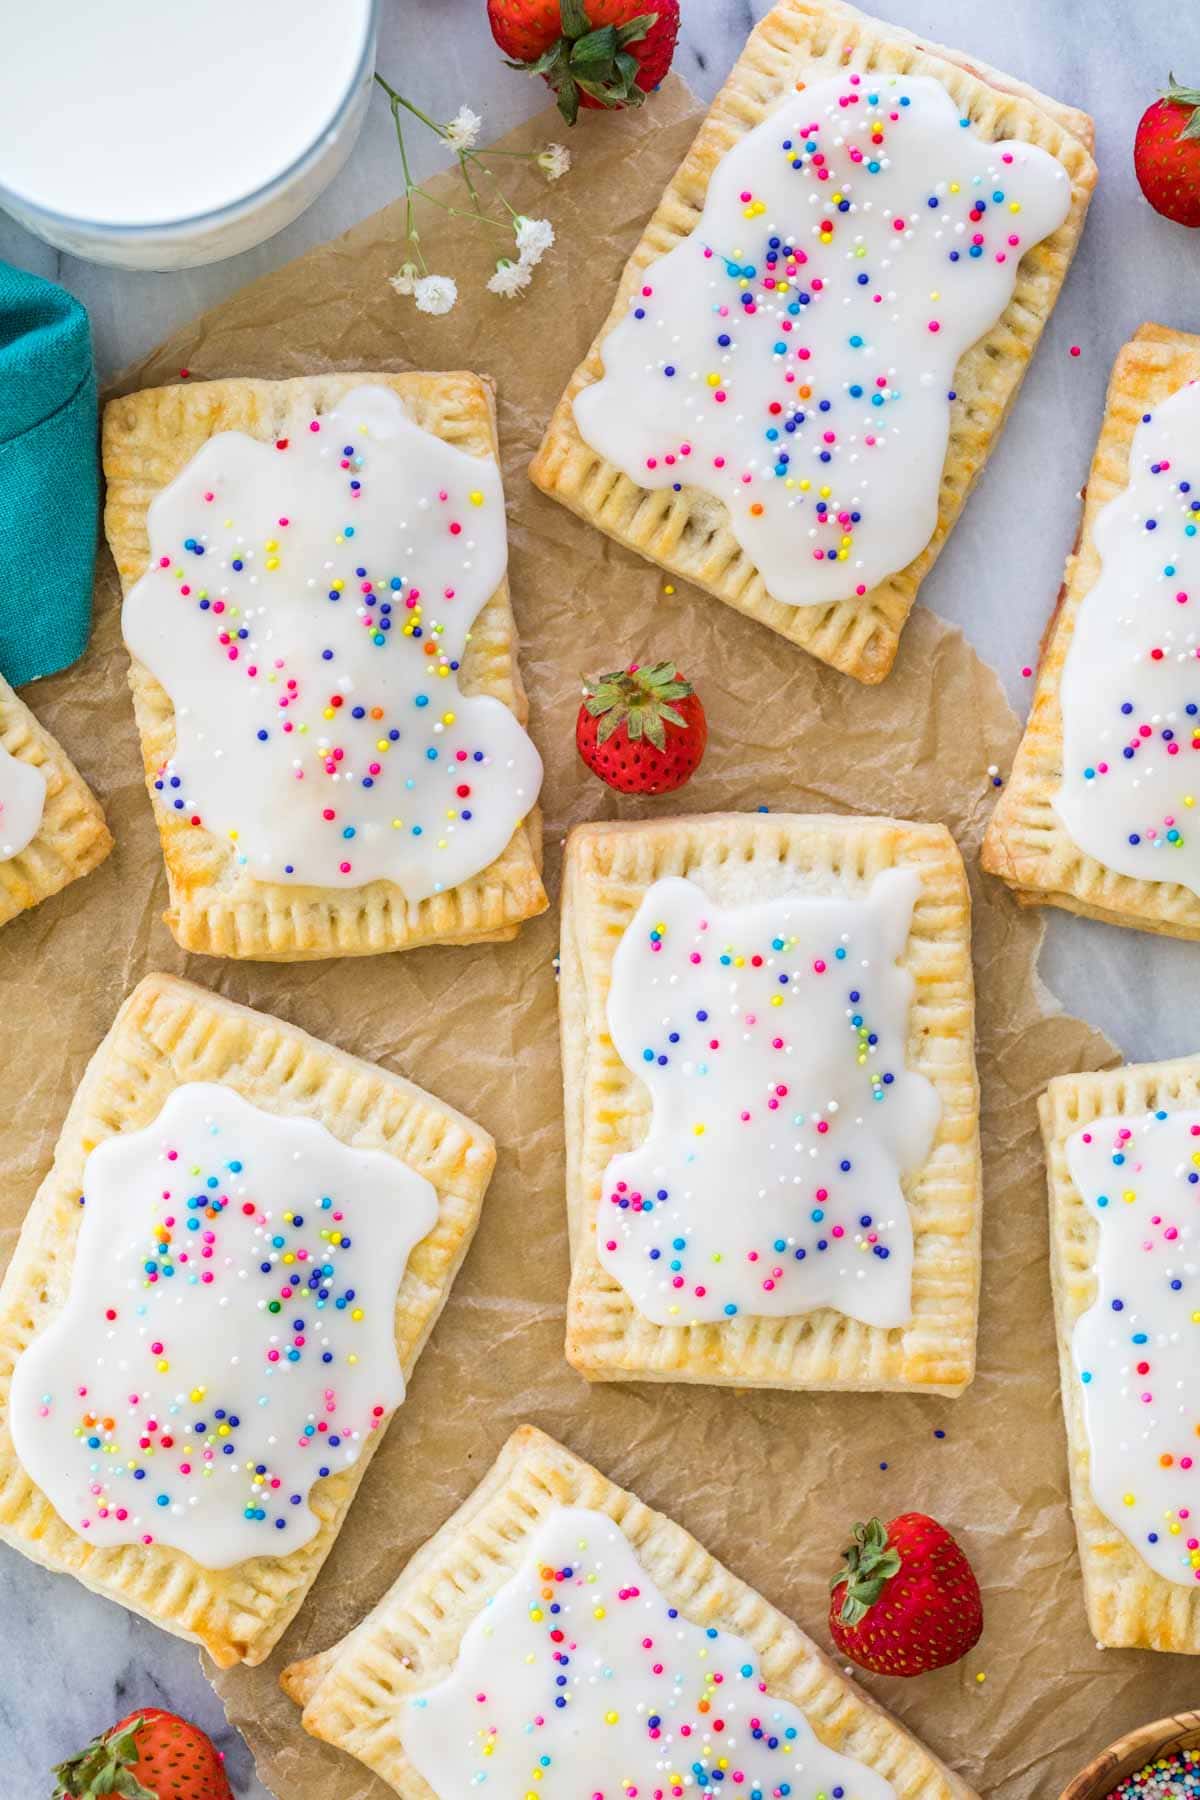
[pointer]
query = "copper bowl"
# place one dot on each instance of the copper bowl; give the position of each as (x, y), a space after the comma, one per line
(1131, 1753)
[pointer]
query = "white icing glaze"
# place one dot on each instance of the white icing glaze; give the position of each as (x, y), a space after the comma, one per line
(22, 803)
(1136, 1350)
(426, 787)
(869, 318)
(772, 1037)
(1131, 684)
(166, 1357)
(588, 1683)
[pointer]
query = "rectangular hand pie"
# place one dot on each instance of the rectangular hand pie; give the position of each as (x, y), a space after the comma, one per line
(477, 1664)
(1123, 1163)
(217, 1297)
(325, 662)
(52, 830)
(772, 1111)
(815, 344)
(1099, 813)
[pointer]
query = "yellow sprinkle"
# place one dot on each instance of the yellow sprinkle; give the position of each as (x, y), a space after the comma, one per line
(610, 1718)
(447, 718)
(357, 1314)
(382, 744)
(698, 1130)
(598, 1612)
(1129, 1196)
(981, 1678)
(163, 1367)
(198, 1393)
(272, 562)
(397, 824)
(668, 589)
(714, 381)
(1129, 1500)
(475, 497)
(1014, 206)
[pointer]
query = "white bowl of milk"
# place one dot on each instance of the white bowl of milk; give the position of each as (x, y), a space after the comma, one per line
(160, 134)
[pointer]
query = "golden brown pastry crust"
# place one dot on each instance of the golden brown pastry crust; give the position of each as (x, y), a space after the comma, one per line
(411, 1640)
(168, 1033)
(688, 533)
(1129, 1605)
(1026, 842)
(72, 838)
(608, 870)
(216, 907)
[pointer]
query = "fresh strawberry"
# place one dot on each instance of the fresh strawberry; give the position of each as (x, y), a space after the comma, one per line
(1166, 154)
(643, 731)
(148, 1755)
(910, 1601)
(592, 52)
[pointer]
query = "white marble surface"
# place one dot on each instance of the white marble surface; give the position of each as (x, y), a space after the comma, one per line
(69, 1663)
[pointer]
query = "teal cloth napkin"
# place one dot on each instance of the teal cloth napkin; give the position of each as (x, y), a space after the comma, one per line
(49, 477)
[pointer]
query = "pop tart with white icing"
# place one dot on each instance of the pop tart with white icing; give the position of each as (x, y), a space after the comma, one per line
(1099, 815)
(557, 1636)
(814, 347)
(324, 662)
(215, 1303)
(1123, 1165)
(52, 828)
(771, 1103)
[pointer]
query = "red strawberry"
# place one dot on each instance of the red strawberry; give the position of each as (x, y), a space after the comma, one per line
(1166, 154)
(592, 52)
(643, 731)
(910, 1602)
(149, 1755)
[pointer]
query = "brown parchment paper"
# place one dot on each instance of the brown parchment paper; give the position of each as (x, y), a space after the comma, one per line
(769, 1482)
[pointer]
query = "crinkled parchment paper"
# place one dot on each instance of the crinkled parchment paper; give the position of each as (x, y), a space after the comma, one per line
(769, 1482)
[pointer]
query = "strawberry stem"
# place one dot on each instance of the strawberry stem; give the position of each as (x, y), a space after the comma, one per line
(104, 1767)
(594, 62)
(870, 1562)
(1189, 97)
(638, 698)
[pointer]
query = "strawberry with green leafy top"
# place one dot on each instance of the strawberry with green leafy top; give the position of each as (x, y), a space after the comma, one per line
(591, 52)
(1166, 154)
(906, 1599)
(642, 730)
(149, 1755)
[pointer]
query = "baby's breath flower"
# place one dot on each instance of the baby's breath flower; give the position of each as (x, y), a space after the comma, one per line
(554, 161)
(405, 278)
(435, 293)
(462, 131)
(534, 238)
(508, 278)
